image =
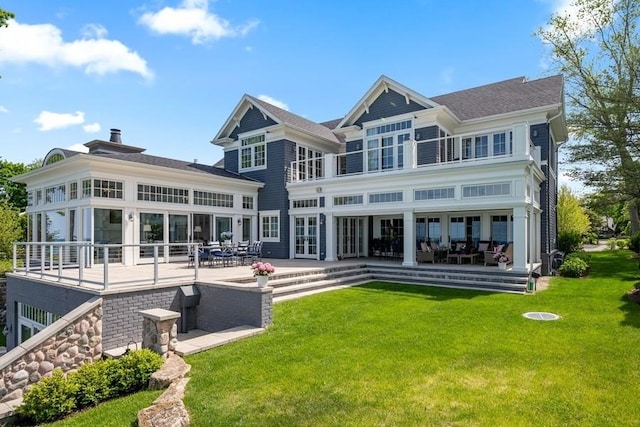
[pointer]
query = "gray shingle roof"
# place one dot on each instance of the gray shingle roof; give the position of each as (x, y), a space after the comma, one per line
(172, 164)
(503, 97)
(284, 116)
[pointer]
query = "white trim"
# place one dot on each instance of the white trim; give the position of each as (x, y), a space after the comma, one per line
(270, 214)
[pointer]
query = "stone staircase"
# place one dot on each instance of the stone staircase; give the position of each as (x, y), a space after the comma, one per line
(286, 286)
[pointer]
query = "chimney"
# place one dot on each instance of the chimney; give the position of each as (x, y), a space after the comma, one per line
(115, 136)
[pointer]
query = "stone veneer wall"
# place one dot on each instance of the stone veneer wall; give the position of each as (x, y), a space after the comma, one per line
(68, 343)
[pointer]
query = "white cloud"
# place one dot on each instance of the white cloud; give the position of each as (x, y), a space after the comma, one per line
(3, 109)
(273, 101)
(192, 18)
(78, 147)
(92, 128)
(43, 44)
(96, 31)
(49, 121)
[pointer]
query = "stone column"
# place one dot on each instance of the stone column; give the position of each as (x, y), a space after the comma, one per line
(159, 330)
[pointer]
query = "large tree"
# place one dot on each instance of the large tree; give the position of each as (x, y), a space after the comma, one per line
(572, 217)
(13, 193)
(596, 46)
(5, 15)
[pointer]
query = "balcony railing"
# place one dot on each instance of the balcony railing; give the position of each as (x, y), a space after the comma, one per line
(69, 261)
(486, 146)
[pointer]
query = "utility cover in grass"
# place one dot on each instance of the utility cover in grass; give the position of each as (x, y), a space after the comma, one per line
(541, 315)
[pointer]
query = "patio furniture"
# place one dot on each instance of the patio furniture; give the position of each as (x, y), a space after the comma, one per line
(255, 250)
(220, 254)
(426, 256)
(489, 255)
(242, 251)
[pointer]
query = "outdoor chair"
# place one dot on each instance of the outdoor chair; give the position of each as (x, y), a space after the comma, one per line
(427, 256)
(220, 254)
(255, 250)
(242, 251)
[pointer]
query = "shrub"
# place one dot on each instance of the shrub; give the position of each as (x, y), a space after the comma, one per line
(50, 399)
(634, 243)
(93, 382)
(573, 267)
(569, 242)
(584, 256)
(57, 396)
(622, 243)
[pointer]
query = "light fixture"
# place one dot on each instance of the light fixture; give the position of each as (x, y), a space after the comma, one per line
(130, 216)
(239, 221)
(197, 229)
(146, 228)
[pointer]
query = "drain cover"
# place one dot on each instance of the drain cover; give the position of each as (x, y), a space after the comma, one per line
(541, 315)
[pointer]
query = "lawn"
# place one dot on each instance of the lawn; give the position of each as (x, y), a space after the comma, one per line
(391, 354)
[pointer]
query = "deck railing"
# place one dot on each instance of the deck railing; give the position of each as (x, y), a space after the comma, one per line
(487, 146)
(70, 261)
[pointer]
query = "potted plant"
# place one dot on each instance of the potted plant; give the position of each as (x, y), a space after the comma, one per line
(225, 237)
(261, 271)
(502, 259)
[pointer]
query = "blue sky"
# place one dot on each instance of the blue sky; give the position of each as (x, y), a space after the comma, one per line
(168, 73)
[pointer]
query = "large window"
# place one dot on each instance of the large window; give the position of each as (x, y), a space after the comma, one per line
(499, 229)
(385, 145)
(55, 194)
(207, 198)
(347, 200)
(107, 189)
(156, 193)
(253, 152)
(270, 226)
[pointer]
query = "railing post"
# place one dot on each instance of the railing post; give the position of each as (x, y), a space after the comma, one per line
(42, 259)
(105, 265)
(51, 247)
(80, 263)
(155, 264)
(196, 259)
(27, 258)
(59, 263)
(15, 257)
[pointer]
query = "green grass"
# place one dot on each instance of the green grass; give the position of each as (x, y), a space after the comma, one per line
(390, 354)
(119, 412)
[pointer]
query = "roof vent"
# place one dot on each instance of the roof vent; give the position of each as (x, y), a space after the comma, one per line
(115, 136)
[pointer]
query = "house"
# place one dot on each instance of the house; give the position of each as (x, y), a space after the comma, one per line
(398, 169)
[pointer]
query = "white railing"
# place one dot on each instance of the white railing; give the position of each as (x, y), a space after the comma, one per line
(447, 150)
(70, 261)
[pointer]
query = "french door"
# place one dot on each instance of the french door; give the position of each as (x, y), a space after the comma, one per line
(350, 237)
(306, 236)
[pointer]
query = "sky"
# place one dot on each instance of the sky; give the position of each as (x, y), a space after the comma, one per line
(168, 73)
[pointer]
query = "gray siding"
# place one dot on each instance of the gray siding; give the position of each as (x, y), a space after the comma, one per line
(427, 152)
(54, 299)
(274, 195)
(387, 105)
(252, 120)
(541, 137)
(354, 161)
(231, 161)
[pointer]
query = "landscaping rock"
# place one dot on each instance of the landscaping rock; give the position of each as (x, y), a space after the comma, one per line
(173, 369)
(165, 414)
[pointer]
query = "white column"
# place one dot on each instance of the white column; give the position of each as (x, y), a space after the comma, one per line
(329, 165)
(520, 232)
(409, 248)
(330, 233)
(520, 139)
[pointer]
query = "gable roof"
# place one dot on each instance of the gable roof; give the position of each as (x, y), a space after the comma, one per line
(515, 94)
(278, 115)
(383, 83)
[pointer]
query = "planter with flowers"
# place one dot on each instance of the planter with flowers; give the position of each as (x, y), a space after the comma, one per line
(262, 271)
(503, 260)
(226, 237)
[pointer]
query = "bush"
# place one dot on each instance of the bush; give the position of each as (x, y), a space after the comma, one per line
(584, 256)
(622, 243)
(569, 242)
(573, 267)
(634, 243)
(93, 382)
(50, 399)
(57, 396)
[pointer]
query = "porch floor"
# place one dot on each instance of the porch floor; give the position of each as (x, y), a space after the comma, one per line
(123, 278)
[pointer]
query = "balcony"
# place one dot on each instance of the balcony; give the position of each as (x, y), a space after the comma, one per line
(488, 146)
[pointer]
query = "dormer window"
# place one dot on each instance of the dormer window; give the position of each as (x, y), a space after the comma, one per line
(253, 152)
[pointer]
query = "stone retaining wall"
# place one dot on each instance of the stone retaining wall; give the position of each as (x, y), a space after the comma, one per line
(68, 343)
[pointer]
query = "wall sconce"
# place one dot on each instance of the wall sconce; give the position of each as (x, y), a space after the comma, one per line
(239, 221)
(535, 133)
(131, 216)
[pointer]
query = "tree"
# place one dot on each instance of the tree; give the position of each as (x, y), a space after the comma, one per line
(597, 49)
(15, 194)
(572, 218)
(10, 228)
(5, 15)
